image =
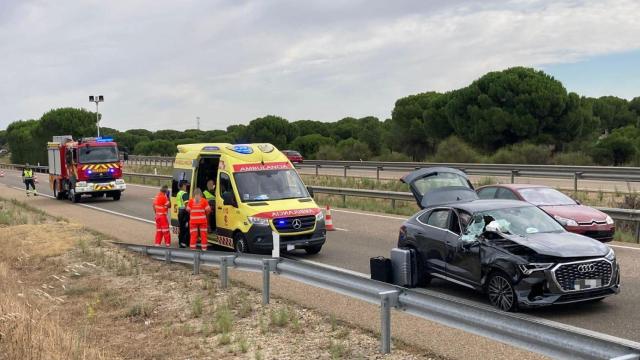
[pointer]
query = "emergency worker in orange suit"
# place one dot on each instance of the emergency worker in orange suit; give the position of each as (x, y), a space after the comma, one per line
(198, 209)
(161, 206)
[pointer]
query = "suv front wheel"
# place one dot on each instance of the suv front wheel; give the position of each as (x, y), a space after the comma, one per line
(501, 292)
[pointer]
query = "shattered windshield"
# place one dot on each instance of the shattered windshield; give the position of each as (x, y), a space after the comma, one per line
(521, 221)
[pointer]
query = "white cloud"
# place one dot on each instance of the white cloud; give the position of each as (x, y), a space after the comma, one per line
(160, 63)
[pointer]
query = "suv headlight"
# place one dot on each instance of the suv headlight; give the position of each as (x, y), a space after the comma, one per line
(119, 181)
(611, 256)
(527, 269)
(565, 221)
(258, 220)
(81, 184)
(609, 220)
(320, 216)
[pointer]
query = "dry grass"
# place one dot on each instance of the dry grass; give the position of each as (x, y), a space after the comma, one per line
(65, 293)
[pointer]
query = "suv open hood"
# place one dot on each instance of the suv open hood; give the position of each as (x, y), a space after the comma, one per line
(434, 186)
(564, 244)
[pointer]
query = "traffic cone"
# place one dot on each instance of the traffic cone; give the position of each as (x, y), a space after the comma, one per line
(328, 222)
(1, 173)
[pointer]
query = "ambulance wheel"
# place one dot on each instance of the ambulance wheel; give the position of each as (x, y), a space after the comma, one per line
(312, 250)
(240, 243)
(116, 196)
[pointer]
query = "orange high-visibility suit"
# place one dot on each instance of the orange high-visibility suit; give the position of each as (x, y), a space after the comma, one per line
(160, 205)
(198, 212)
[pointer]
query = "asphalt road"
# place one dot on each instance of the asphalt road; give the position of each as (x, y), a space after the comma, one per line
(364, 235)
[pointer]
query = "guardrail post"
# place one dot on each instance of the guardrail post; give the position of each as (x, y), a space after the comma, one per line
(378, 169)
(344, 200)
(393, 204)
(167, 255)
(268, 265)
(387, 300)
(225, 261)
(638, 232)
(196, 263)
(345, 170)
(514, 173)
(576, 176)
(317, 169)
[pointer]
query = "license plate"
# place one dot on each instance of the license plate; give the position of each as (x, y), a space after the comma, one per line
(585, 284)
(290, 247)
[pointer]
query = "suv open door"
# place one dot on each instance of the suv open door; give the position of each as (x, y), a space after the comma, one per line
(439, 185)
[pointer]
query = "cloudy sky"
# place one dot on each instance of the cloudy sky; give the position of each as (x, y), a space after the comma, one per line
(162, 63)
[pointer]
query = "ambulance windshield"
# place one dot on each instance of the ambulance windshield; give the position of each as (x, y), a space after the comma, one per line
(98, 154)
(270, 185)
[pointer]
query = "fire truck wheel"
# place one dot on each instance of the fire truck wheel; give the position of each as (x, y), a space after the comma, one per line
(58, 194)
(116, 196)
(74, 197)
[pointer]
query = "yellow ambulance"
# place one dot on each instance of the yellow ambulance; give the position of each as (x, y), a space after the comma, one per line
(257, 192)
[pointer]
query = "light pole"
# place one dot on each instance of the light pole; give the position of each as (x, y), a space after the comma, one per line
(198, 122)
(97, 99)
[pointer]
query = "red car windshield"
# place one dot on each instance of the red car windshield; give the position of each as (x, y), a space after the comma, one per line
(546, 196)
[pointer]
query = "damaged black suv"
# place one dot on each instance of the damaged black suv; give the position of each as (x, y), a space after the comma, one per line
(511, 250)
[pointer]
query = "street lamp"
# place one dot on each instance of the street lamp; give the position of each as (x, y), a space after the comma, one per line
(97, 99)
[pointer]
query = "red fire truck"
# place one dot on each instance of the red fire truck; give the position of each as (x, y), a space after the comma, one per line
(89, 166)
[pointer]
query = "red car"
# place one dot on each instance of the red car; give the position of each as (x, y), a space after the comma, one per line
(571, 214)
(294, 156)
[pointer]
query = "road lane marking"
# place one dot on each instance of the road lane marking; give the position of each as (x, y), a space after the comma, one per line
(331, 267)
(341, 229)
(101, 209)
(367, 214)
(625, 247)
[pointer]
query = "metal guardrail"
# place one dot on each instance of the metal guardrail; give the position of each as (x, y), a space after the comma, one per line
(629, 215)
(540, 336)
(577, 173)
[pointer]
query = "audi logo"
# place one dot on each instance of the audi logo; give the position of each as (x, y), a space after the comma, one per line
(296, 224)
(586, 268)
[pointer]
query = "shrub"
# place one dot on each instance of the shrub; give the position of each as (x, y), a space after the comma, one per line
(352, 149)
(327, 152)
(392, 156)
(523, 153)
(572, 158)
(453, 149)
(223, 319)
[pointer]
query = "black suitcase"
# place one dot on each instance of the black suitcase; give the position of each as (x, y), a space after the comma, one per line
(381, 269)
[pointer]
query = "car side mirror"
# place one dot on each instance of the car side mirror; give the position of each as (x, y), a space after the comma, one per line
(310, 190)
(228, 199)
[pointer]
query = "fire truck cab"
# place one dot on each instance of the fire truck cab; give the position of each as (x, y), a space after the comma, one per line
(89, 166)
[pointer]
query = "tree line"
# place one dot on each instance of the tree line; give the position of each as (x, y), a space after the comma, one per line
(519, 115)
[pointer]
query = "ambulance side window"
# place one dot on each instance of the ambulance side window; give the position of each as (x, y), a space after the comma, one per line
(225, 184)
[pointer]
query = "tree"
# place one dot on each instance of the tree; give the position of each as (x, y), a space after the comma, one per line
(309, 145)
(613, 112)
(140, 132)
(615, 149)
(78, 123)
(271, 129)
(371, 133)
(407, 132)
(510, 106)
(3, 138)
(309, 127)
(168, 134)
(345, 128)
(453, 149)
(156, 147)
(20, 140)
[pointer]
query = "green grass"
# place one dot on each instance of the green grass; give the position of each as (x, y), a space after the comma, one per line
(196, 307)
(280, 317)
(223, 319)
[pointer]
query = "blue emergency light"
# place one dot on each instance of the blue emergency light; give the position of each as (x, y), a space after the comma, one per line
(242, 149)
(104, 139)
